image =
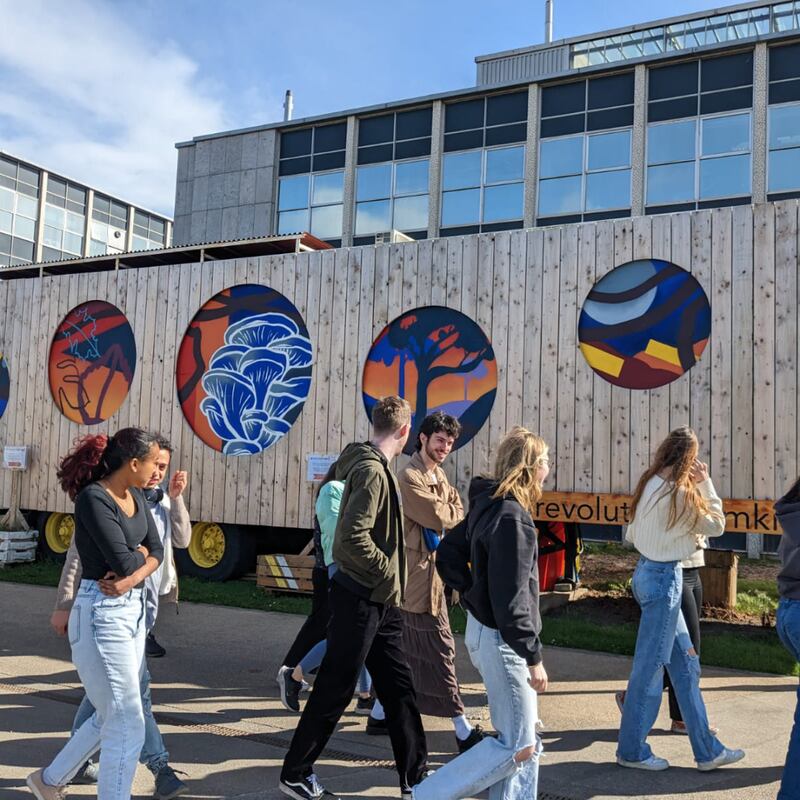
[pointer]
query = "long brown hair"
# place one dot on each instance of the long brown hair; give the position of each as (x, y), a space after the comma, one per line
(676, 454)
(519, 455)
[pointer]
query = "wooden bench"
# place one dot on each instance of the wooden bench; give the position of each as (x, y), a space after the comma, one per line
(285, 573)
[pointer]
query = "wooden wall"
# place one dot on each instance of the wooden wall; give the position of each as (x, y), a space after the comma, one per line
(524, 288)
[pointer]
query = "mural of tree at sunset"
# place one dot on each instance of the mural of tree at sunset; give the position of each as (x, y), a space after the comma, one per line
(439, 360)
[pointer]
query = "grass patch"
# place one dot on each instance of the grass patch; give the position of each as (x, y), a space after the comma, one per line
(241, 594)
(39, 573)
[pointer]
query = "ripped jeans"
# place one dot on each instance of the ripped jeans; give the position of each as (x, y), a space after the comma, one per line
(514, 709)
(663, 641)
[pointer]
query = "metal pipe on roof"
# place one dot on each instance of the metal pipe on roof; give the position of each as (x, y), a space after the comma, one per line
(548, 21)
(288, 106)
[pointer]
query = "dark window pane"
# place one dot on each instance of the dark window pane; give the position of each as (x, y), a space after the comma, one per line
(334, 242)
(670, 208)
(374, 130)
(25, 188)
(672, 109)
(726, 101)
(5, 243)
(8, 168)
(413, 124)
(361, 240)
(462, 230)
(28, 175)
(80, 208)
(415, 147)
(374, 155)
(784, 62)
(21, 248)
(503, 108)
(564, 99)
(566, 220)
(140, 218)
(329, 161)
(463, 141)
(726, 72)
(330, 137)
(614, 90)
(463, 116)
(295, 143)
(5, 180)
(76, 195)
(294, 166)
(784, 92)
(48, 254)
(610, 118)
(119, 210)
(672, 81)
(598, 215)
(101, 203)
(506, 134)
(560, 126)
(501, 226)
(56, 187)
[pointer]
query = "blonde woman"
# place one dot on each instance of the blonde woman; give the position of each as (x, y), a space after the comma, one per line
(673, 508)
(503, 624)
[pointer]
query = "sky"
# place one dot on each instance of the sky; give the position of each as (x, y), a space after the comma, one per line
(101, 90)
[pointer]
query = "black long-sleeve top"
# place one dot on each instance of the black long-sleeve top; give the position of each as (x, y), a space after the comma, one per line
(107, 539)
(505, 574)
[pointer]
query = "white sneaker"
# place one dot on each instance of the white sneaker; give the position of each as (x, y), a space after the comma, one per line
(725, 757)
(652, 764)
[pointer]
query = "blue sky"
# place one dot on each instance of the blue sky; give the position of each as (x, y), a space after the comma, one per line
(101, 90)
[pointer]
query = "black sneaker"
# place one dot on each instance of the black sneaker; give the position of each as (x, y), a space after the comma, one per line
(152, 649)
(377, 727)
(474, 737)
(308, 788)
(290, 690)
(87, 774)
(168, 784)
(364, 705)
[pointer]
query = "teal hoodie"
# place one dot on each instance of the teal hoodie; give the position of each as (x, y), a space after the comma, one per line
(329, 500)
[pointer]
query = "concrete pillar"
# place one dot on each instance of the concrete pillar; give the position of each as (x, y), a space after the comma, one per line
(39, 237)
(532, 157)
(87, 228)
(349, 191)
(435, 170)
(760, 105)
(129, 230)
(638, 140)
(168, 234)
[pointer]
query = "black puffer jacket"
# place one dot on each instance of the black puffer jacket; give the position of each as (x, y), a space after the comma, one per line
(787, 510)
(504, 594)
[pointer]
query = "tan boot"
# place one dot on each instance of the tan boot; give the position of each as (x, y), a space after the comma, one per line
(42, 790)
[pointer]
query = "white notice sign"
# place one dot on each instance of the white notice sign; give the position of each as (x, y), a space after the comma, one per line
(15, 457)
(319, 464)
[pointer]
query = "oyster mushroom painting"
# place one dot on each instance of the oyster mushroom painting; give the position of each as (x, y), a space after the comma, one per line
(244, 369)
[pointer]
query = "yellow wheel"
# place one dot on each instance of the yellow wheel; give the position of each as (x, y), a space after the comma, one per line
(207, 545)
(58, 532)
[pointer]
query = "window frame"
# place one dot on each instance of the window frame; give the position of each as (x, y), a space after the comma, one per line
(771, 150)
(309, 206)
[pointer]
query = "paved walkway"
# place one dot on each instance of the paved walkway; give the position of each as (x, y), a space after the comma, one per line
(216, 700)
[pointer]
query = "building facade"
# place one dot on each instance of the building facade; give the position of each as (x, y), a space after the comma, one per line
(687, 113)
(47, 217)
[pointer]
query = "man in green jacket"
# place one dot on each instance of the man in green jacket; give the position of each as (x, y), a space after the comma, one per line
(365, 623)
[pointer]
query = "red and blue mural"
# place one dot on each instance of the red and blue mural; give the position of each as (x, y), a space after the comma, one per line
(644, 324)
(91, 364)
(244, 369)
(439, 360)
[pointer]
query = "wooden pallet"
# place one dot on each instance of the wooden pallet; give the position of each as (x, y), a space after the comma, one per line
(17, 546)
(285, 573)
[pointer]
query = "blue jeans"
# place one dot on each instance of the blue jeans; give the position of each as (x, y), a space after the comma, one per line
(154, 753)
(313, 658)
(107, 639)
(663, 641)
(514, 709)
(788, 625)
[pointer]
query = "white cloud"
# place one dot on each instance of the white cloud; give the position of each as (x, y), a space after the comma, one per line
(85, 94)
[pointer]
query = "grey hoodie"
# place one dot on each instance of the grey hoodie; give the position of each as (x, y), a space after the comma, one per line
(788, 514)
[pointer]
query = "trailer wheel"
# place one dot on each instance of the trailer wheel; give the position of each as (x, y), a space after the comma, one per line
(216, 552)
(55, 534)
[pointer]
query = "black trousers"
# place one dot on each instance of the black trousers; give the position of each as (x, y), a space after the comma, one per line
(315, 627)
(691, 605)
(361, 631)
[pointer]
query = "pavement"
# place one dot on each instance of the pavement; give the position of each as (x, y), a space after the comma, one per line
(217, 702)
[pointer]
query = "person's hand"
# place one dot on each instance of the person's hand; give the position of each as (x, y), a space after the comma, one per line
(143, 550)
(178, 483)
(59, 620)
(698, 471)
(538, 678)
(114, 586)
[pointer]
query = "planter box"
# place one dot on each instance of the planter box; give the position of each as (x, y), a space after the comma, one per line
(719, 578)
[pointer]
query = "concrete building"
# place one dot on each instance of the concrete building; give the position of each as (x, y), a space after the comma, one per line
(45, 217)
(696, 111)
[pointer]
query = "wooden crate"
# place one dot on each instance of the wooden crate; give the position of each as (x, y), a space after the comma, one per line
(17, 546)
(285, 573)
(719, 578)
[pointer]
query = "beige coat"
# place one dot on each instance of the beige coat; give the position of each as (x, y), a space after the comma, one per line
(72, 569)
(429, 501)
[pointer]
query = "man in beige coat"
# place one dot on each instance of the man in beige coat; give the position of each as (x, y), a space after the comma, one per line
(431, 507)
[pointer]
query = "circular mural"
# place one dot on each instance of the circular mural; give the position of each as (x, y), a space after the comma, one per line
(244, 369)
(5, 384)
(91, 363)
(644, 324)
(439, 360)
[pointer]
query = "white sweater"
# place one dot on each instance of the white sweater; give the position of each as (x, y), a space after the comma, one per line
(649, 533)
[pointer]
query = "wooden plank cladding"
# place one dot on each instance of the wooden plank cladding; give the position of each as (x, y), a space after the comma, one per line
(525, 289)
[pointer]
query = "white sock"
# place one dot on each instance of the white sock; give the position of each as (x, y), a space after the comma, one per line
(462, 726)
(377, 711)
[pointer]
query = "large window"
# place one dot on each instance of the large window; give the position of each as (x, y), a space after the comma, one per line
(396, 136)
(483, 189)
(311, 203)
(486, 121)
(19, 212)
(314, 149)
(784, 121)
(64, 220)
(149, 232)
(392, 196)
(109, 226)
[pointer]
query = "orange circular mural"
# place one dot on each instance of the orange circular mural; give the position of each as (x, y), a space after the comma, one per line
(91, 363)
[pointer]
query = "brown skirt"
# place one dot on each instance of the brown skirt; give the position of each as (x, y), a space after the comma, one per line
(430, 650)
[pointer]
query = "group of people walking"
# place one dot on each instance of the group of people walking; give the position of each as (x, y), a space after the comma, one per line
(389, 550)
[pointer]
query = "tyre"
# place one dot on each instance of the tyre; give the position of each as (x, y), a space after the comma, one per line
(216, 552)
(56, 530)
